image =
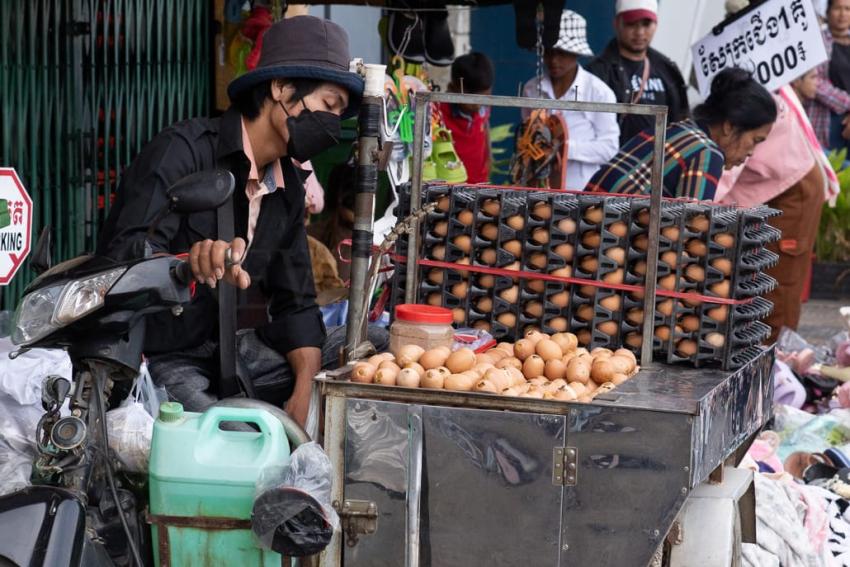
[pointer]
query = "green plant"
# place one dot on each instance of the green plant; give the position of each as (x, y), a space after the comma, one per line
(498, 134)
(833, 243)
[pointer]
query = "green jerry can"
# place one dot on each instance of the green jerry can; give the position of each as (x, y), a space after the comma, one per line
(202, 481)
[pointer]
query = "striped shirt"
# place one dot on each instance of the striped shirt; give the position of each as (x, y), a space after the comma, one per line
(693, 164)
(829, 99)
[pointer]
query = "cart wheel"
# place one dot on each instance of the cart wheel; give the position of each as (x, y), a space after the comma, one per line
(294, 432)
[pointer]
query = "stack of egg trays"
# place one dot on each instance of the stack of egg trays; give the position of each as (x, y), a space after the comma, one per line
(614, 210)
(505, 312)
(750, 282)
(565, 207)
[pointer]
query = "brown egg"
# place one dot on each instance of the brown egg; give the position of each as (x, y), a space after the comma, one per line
(482, 325)
(533, 366)
(387, 363)
(665, 307)
(491, 207)
(721, 289)
(460, 382)
(591, 239)
(670, 258)
(488, 256)
(466, 217)
(618, 229)
(695, 273)
(409, 378)
(538, 260)
(567, 226)
(622, 364)
(610, 328)
(699, 223)
(618, 379)
(485, 387)
(715, 339)
(640, 242)
(555, 370)
(565, 272)
(567, 341)
(516, 222)
(409, 354)
(578, 370)
(377, 359)
(441, 228)
(434, 299)
(693, 299)
(601, 371)
(634, 340)
(593, 215)
(507, 319)
(558, 324)
(513, 246)
(670, 233)
(690, 323)
(536, 286)
(510, 294)
(617, 254)
(459, 315)
(486, 281)
(639, 268)
(663, 332)
(578, 388)
(513, 266)
(485, 358)
(723, 265)
(460, 289)
(484, 305)
(696, 247)
(615, 277)
(490, 231)
(517, 378)
(540, 235)
(465, 262)
(498, 354)
(510, 362)
(534, 308)
(725, 240)
(386, 376)
(534, 335)
(363, 373)
(686, 348)
(587, 291)
(601, 352)
(719, 313)
(560, 299)
(435, 378)
(523, 348)
(584, 336)
(460, 360)
(565, 251)
(667, 282)
(548, 350)
(589, 264)
(635, 316)
(611, 303)
(435, 276)
(443, 204)
(542, 211)
(584, 312)
(438, 252)
(463, 242)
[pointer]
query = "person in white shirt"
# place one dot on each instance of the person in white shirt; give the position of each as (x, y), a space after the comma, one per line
(594, 137)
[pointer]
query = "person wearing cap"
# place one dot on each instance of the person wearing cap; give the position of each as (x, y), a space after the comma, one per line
(287, 108)
(636, 72)
(593, 137)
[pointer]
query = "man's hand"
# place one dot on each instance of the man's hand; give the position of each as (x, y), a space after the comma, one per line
(306, 362)
(208, 261)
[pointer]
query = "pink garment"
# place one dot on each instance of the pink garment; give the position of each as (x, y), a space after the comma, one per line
(254, 189)
(315, 191)
(778, 163)
(816, 519)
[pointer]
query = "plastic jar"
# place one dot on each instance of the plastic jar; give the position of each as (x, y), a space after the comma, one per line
(422, 325)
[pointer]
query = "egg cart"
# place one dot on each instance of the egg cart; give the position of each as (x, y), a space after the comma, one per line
(440, 478)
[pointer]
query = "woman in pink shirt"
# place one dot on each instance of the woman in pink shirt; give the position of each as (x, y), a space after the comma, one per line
(788, 172)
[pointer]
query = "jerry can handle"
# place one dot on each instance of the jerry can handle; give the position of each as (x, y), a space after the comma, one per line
(215, 415)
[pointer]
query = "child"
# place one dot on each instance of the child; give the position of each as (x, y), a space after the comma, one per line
(470, 123)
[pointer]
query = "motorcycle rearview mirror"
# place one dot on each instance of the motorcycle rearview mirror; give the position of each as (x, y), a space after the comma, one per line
(202, 191)
(42, 256)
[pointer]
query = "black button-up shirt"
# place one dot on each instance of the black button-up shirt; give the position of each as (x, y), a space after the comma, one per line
(278, 261)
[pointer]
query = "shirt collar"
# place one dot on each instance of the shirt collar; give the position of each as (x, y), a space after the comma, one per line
(578, 86)
(253, 173)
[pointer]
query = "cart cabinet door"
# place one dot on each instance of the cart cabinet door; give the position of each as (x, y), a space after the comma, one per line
(486, 493)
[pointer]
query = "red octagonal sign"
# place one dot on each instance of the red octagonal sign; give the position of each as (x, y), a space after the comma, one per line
(15, 224)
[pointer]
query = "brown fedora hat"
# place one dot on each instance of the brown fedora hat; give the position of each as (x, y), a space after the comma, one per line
(304, 47)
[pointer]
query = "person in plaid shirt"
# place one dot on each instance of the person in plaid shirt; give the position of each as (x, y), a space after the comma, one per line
(828, 112)
(736, 116)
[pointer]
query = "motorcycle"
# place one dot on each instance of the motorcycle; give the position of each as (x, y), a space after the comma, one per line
(77, 511)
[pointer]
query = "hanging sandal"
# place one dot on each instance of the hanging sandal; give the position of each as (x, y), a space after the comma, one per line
(449, 166)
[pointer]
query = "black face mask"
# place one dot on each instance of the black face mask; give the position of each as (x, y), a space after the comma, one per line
(311, 133)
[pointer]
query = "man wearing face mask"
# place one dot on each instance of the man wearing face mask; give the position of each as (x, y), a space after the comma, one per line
(285, 111)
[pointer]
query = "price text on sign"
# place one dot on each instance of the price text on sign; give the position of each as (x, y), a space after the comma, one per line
(15, 224)
(778, 41)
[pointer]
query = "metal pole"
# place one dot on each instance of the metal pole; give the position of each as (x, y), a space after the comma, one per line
(364, 209)
(334, 444)
(654, 232)
(411, 284)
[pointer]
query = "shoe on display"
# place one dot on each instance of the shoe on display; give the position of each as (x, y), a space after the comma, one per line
(439, 47)
(406, 35)
(449, 166)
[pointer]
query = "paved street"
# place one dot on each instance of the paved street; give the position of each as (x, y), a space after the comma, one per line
(821, 320)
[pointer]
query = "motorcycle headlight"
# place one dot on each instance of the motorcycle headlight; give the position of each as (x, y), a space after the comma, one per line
(45, 310)
(81, 297)
(34, 316)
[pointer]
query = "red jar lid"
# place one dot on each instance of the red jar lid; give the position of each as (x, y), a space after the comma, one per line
(414, 313)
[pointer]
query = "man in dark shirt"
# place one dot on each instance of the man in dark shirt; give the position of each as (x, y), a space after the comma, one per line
(288, 108)
(636, 72)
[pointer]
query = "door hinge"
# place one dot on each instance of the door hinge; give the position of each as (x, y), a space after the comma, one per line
(357, 517)
(564, 466)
